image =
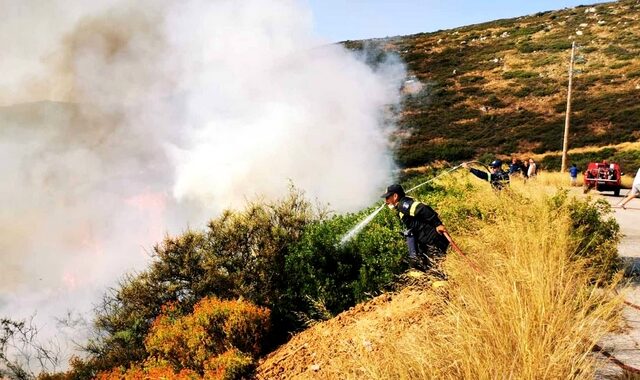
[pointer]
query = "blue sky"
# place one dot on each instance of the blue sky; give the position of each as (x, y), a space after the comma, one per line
(337, 20)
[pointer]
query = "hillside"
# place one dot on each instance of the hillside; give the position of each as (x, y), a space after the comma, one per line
(500, 87)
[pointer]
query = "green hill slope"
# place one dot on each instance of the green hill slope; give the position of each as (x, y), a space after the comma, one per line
(500, 87)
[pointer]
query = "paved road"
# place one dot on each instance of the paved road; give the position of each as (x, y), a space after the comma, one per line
(626, 346)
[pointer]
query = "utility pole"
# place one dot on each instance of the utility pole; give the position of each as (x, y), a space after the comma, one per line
(565, 142)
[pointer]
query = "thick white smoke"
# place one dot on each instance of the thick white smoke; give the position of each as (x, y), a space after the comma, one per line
(265, 105)
(139, 118)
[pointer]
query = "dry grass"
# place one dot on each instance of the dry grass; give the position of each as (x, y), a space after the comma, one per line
(553, 180)
(530, 314)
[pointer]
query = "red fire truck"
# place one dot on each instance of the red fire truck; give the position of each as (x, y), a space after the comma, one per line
(602, 176)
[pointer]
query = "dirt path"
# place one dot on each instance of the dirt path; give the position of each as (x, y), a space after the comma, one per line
(625, 346)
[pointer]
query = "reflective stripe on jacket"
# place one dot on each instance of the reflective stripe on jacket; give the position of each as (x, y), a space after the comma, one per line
(422, 221)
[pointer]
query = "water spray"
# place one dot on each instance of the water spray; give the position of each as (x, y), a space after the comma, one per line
(361, 225)
(356, 230)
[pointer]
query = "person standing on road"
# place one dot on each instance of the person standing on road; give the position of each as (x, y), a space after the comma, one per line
(424, 231)
(497, 177)
(635, 190)
(573, 173)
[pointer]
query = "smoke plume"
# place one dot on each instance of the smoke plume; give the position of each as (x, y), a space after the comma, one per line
(123, 121)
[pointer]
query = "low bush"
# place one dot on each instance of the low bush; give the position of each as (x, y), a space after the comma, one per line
(557, 45)
(494, 101)
(230, 365)
(529, 47)
(149, 370)
(212, 328)
(526, 31)
(589, 49)
(519, 74)
(471, 79)
(619, 52)
(545, 60)
(619, 65)
(420, 155)
(218, 340)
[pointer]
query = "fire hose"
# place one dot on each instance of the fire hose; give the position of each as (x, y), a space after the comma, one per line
(457, 249)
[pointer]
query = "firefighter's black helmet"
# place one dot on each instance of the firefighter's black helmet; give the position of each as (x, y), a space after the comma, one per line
(496, 164)
(394, 189)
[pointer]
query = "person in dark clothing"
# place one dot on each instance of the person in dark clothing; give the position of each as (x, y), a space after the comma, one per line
(525, 169)
(516, 167)
(497, 177)
(424, 230)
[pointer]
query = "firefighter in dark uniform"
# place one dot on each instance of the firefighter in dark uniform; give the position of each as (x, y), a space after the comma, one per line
(424, 230)
(497, 177)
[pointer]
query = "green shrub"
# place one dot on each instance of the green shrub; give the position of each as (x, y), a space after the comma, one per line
(588, 49)
(619, 65)
(619, 52)
(495, 102)
(519, 74)
(471, 79)
(629, 160)
(522, 92)
(557, 45)
(538, 89)
(525, 31)
(474, 90)
(529, 47)
(420, 155)
(596, 232)
(324, 272)
(415, 56)
(545, 90)
(545, 60)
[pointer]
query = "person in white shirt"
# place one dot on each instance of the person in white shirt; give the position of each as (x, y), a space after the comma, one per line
(635, 189)
(533, 169)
